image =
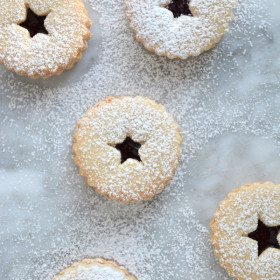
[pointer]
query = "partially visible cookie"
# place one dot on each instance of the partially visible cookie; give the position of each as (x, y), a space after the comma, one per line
(127, 148)
(179, 28)
(42, 38)
(246, 232)
(97, 269)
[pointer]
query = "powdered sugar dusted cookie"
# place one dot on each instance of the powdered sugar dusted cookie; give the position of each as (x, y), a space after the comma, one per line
(127, 148)
(246, 232)
(41, 38)
(97, 269)
(179, 28)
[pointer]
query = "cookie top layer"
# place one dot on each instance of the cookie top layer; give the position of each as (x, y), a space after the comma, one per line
(97, 269)
(110, 123)
(156, 27)
(240, 225)
(43, 55)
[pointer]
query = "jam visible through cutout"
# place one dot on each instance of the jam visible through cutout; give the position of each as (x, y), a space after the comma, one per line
(129, 149)
(34, 23)
(265, 236)
(179, 7)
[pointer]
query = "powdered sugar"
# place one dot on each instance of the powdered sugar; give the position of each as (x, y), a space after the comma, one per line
(43, 55)
(106, 273)
(238, 216)
(97, 269)
(181, 37)
(56, 219)
(108, 124)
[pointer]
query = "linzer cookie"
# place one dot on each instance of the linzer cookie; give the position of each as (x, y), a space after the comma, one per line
(127, 148)
(246, 232)
(97, 269)
(41, 38)
(179, 28)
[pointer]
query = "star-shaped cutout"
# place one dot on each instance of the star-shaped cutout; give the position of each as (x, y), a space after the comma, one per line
(265, 236)
(129, 149)
(34, 23)
(179, 7)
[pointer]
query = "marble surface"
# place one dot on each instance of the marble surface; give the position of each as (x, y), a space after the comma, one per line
(227, 104)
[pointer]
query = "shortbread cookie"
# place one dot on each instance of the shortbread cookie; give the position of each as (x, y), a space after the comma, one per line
(41, 38)
(97, 269)
(246, 232)
(127, 148)
(179, 28)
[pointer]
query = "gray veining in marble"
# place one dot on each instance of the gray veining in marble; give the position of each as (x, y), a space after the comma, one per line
(49, 218)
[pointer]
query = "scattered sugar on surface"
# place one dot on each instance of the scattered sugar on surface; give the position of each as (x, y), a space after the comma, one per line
(160, 239)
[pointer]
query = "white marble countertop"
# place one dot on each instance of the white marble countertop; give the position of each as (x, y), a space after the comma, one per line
(227, 103)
